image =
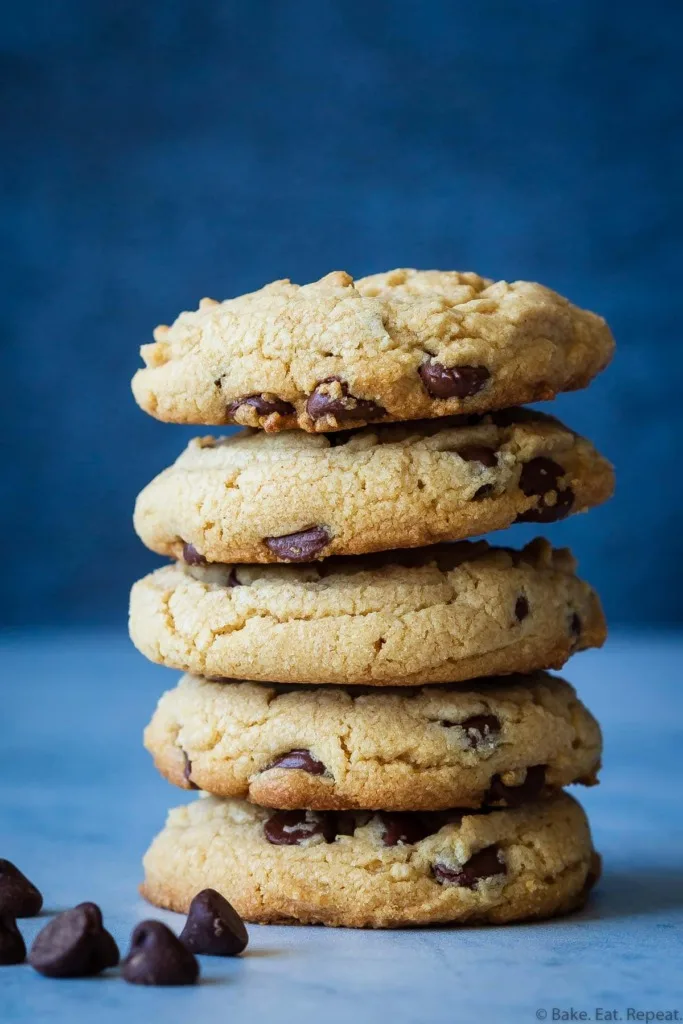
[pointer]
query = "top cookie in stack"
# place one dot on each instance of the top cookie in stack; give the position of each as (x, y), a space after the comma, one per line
(382, 432)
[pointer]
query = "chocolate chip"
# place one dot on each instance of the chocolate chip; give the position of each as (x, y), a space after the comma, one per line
(187, 771)
(12, 945)
(486, 863)
(575, 625)
(478, 453)
(481, 729)
(403, 828)
(74, 944)
(539, 476)
(302, 759)
(452, 381)
(521, 608)
(543, 512)
(339, 403)
(265, 404)
(291, 828)
(158, 957)
(191, 556)
(485, 491)
(515, 796)
(18, 896)
(213, 926)
(299, 546)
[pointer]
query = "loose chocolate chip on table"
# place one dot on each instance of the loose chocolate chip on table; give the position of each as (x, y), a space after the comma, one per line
(478, 453)
(403, 828)
(302, 759)
(158, 957)
(12, 946)
(546, 513)
(18, 896)
(485, 863)
(515, 796)
(213, 926)
(299, 546)
(187, 772)
(339, 403)
(452, 381)
(539, 476)
(191, 556)
(480, 729)
(521, 608)
(265, 405)
(291, 828)
(74, 944)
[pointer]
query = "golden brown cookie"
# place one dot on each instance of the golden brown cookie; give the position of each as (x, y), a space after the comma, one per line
(426, 615)
(297, 497)
(339, 353)
(502, 742)
(375, 870)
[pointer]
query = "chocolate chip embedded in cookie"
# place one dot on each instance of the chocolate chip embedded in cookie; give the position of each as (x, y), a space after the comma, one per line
(339, 353)
(504, 742)
(375, 871)
(294, 496)
(423, 615)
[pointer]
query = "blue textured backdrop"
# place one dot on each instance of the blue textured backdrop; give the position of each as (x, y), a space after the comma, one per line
(159, 151)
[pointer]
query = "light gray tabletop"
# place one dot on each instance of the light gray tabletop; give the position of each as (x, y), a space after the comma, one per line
(80, 801)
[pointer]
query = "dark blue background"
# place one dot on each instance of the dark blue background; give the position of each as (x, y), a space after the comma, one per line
(156, 152)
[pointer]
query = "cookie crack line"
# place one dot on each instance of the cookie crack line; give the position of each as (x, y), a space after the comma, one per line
(339, 353)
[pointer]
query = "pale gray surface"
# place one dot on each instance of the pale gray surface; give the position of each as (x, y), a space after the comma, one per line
(80, 801)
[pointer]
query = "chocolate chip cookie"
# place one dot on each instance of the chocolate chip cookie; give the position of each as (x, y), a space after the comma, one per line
(330, 748)
(297, 497)
(375, 870)
(340, 353)
(427, 615)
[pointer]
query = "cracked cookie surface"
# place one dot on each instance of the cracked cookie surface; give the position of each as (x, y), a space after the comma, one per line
(328, 748)
(338, 353)
(293, 496)
(375, 870)
(429, 615)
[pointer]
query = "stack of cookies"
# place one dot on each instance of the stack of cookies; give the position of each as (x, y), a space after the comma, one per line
(367, 711)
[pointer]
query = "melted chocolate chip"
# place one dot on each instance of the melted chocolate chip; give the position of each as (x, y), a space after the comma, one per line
(539, 476)
(213, 926)
(191, 556)
(515, 796)
(342, 406)
(302, 759)
(485, 863)
(187, 771)
(521, 608)
(291, 828)
(478, 453)
(158, 957)
(452, 381)
(265, 405)
(12, 945)
(300, 546)
(543, 512)
(404, 828)
(74, 944)
(18, 896)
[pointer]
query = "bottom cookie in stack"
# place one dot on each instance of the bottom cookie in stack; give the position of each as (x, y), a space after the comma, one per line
(379, 773)
(363, 869)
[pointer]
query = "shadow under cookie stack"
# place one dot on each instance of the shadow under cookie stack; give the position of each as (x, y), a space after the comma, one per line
(367, 710)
